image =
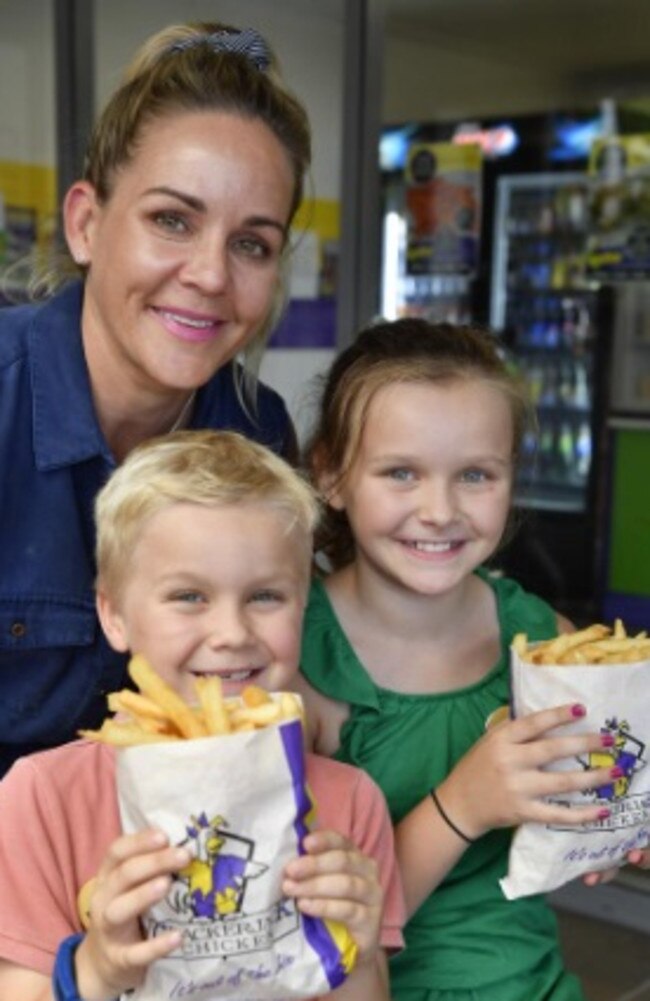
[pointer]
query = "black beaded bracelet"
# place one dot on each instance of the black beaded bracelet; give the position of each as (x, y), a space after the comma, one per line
(448, 822)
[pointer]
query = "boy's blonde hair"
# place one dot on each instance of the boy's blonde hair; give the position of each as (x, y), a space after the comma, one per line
(207, 468)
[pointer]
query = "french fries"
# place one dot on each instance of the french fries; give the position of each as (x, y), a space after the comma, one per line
(158, 713)
(597, 644)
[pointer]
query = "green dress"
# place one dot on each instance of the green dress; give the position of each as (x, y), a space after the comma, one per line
(466, 942)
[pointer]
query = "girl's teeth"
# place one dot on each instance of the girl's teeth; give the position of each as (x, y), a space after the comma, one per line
(237, 676)
(432, 547)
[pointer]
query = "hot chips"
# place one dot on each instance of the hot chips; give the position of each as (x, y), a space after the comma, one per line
(158, 713)
(597, 644)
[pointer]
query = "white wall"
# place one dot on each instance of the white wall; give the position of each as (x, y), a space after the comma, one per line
(307, 36)
(27, 108)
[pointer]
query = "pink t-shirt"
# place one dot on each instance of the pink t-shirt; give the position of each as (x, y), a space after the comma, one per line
(59, 814)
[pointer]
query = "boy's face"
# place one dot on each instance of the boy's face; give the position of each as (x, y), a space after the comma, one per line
(213, 590)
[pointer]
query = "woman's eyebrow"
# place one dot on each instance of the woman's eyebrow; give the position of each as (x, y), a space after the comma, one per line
(198, 205)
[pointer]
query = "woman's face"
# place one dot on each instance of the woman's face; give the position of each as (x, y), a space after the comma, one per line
(184, 257)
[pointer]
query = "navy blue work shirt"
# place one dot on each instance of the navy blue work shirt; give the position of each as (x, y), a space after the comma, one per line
(55, 664)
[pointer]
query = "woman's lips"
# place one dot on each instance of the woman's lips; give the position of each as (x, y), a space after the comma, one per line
(190, 326)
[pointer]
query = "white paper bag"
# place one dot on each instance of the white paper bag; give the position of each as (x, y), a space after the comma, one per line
(241, 804)
(617, 698)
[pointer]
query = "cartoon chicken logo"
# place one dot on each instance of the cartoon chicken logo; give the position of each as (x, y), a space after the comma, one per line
(626, 754)
(217, 875)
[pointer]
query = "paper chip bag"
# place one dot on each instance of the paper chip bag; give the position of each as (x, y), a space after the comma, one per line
(617, 697)
(241, 804)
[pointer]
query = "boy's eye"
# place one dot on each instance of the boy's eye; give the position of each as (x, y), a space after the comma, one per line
(266, 596)
(188, 597)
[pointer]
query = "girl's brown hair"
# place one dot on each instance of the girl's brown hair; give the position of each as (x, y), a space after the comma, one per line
(406, 350)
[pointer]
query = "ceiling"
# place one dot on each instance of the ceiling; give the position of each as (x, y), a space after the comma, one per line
(601, 41)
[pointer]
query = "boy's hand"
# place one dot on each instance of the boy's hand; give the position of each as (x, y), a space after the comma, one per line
(334, 880)
(135, 873)
(502, 781)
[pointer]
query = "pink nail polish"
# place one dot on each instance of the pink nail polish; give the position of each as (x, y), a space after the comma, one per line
(607, 740)
(616, 772)
(604, 813)
(578, 710)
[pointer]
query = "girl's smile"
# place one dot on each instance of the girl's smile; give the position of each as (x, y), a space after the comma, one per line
(428, 494)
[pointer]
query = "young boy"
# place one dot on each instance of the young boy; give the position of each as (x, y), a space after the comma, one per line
(203, 555)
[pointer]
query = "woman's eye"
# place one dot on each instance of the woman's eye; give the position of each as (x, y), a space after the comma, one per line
(171, 222)
(250, 246)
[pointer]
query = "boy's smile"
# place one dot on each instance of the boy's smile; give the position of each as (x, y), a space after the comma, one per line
(213, 591)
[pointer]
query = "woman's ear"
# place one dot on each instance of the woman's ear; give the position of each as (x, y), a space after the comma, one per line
(111, 621)
(80, 213)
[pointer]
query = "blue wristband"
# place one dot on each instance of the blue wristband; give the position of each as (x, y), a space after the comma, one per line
(64, 977)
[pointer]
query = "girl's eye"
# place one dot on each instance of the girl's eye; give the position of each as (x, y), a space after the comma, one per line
(475, 476)
(171, 222)
(400, 474)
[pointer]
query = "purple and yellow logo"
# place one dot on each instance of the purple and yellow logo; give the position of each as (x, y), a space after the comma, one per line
(626, 754)
(222, 865)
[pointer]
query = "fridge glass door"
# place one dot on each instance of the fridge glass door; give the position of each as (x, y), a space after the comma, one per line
(546, 312)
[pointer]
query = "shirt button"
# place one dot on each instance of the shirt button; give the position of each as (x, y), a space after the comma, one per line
(18, 630)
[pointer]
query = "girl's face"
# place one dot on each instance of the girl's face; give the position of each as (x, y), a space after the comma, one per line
(428, 494)
(184, 257)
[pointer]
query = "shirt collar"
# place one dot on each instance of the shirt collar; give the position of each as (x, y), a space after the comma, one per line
(66, 431)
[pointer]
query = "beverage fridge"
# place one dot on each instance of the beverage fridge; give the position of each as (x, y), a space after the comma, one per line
(626, 563)
(556, 324)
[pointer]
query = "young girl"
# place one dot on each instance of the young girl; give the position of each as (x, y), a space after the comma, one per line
(406, 645)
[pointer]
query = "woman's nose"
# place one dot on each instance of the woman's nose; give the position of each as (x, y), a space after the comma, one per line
(207, 266)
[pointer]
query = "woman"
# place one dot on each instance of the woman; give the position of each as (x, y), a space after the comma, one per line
(179, 228)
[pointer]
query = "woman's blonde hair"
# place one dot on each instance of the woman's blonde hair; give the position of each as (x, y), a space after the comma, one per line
(190, 68)
(206, 468)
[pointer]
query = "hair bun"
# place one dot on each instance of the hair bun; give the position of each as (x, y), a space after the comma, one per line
(245, 42)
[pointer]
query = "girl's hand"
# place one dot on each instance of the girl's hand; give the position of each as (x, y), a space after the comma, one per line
(639, 857)
(334, 880)
(114, 956)
(501, 781)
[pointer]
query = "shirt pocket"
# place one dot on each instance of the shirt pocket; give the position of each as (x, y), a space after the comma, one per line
(50, 670)
(37, 624)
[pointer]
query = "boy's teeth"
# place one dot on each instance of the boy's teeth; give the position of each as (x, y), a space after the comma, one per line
(237, 676)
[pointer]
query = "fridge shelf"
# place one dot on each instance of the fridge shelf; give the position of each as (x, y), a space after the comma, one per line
(563, 409)
(566, 504)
